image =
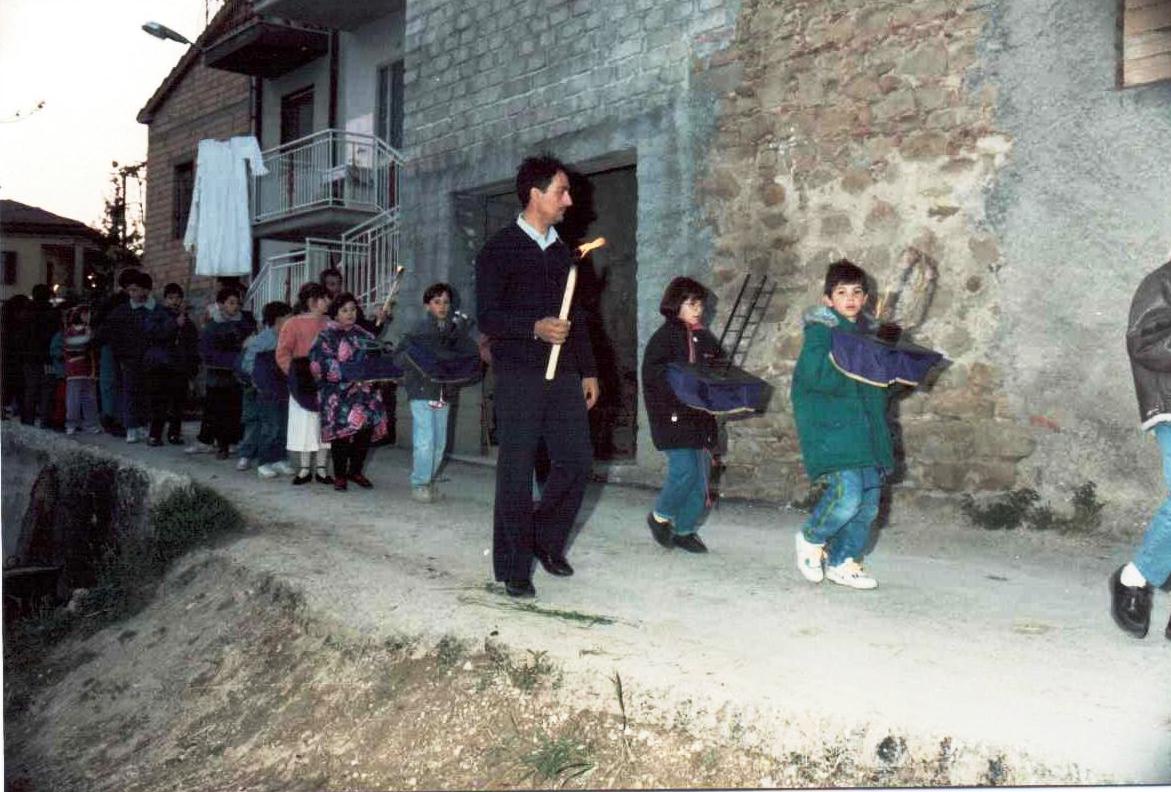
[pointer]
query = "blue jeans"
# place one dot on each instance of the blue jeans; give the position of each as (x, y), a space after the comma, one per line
(1154, 556)
(428, 440)
(683, 498)
(841, 519)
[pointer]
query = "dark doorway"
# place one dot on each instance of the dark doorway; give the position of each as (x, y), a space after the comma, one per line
(296, 115)
(605, 204)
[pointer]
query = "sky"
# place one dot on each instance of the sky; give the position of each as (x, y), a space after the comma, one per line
(94, 68)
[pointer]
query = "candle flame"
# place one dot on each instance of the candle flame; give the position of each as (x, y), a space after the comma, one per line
(583, 250)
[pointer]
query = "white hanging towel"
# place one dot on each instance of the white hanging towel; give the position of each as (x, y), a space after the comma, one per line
(219, 228)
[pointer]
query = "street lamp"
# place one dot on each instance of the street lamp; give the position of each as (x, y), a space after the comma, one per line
(163, 32)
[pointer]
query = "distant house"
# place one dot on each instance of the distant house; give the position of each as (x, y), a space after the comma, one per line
(192, 103)
(41, 247)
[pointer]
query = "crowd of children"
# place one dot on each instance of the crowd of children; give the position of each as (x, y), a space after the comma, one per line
(127, 366)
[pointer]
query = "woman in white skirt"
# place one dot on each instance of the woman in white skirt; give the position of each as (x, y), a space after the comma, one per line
(292, 354)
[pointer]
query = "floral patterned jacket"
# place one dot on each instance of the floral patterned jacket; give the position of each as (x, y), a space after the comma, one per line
(347, 406)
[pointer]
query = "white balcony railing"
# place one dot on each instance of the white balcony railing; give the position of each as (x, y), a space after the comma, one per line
(368, 257)
(330, 168)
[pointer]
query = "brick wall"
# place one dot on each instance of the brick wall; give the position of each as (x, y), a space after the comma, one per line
(206, 103)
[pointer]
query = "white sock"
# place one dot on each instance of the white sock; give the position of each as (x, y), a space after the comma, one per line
(1131, 577)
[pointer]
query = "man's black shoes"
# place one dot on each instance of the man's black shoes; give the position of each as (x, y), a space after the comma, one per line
(689, 542)
(660, 530)
(1167, 632)
(1131, 606)
(520, 588)
(554, 564)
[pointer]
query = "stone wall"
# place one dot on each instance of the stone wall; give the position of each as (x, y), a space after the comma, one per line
(989, 138)
(205, 103)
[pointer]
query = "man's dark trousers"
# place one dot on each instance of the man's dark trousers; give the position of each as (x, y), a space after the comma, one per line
(529, 409)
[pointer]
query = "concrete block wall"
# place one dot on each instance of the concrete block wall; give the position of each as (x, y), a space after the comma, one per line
(627, 82)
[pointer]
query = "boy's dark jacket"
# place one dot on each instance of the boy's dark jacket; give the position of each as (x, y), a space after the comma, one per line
(169, 346)
(1148, 343)
(41, 323)
(220, 344)
(124, 330)
(516, 285)
(673, 423)
(449, 335)
(841, 422)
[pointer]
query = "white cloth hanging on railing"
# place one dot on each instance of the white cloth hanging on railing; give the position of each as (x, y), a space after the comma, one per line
(219, 228)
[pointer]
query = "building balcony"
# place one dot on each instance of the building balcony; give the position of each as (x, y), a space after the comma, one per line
(330, 13)
(263, 47)
(324, 184)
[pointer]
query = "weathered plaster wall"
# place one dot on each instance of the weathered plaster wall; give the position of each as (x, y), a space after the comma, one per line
(1082, 210)
(488, 83)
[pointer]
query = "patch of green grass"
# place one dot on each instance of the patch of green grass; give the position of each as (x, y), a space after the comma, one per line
(558, 759)
(190, 517)
(449, 651)
(1022, 507)
(573, 616)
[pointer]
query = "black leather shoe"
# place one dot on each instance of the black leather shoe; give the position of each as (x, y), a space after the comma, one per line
(305, 479)
(326, 479)
(1130, 606)
(660, 530)
(1167, 632)
(361, 481)
(175, 439)
(520, 588)
(554, 565)
(689, 542)
(154, 442)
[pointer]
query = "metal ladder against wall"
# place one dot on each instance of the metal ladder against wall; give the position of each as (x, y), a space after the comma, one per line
(746, 317)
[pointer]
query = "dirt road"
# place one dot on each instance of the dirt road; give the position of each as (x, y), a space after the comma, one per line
(996, 640)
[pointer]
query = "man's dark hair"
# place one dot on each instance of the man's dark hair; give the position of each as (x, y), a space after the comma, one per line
(844, 272)
(144, 280)
(41, 293)
(308, 292)
(536, 172)
(223, 294)
(273, 311)
(172, 288)
(330, 272)
(339, 302)
(678, 292)
(434, 290)
(127, 277)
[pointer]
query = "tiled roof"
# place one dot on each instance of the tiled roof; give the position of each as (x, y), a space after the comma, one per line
(18, 218)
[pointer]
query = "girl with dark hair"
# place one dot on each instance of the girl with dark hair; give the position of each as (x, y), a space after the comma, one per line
(296, 338)
(352, 413)
(685, 435)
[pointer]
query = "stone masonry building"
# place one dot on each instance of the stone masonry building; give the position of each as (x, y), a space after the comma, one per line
(995, 142)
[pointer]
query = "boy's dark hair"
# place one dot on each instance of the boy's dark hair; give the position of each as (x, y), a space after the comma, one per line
(536, 172)
(309, 291)
(144, 280)
(339, 301)
(847, 273)
(172, 288)
(434, 290)
(330, 272)
(226, 292)
(678, 292)
(42, 293)
(127, 277)
(273, 311)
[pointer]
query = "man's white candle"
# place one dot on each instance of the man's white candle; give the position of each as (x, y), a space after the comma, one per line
(566, 299)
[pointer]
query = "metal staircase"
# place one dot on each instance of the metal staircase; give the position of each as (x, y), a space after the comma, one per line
(341, 169)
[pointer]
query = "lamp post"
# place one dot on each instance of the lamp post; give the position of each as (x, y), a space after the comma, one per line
(163, 32)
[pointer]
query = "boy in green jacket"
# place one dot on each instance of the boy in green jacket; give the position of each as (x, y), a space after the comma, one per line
(845, 440)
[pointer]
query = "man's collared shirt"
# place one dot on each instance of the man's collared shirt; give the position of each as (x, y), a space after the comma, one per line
(543, 241)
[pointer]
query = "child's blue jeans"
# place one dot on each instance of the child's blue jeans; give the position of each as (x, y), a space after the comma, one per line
(265, 425)
(1154, 556)
(683, 498)
(428, 440)
(841, 519)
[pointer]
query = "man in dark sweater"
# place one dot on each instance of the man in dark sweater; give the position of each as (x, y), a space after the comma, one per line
(520, 279)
